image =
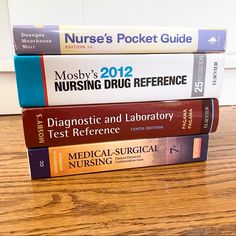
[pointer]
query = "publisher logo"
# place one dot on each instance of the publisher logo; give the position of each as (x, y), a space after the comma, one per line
(212, 40)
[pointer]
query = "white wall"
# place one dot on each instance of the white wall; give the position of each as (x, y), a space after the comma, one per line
(8, 91)
(5, 45)
(191, 13)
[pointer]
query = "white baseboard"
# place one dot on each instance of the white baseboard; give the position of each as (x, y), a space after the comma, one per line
(8, 94)
(228, 95)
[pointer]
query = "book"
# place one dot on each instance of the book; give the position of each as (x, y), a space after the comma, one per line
(79, 39)
(94, 79)
(96, 157)
(68, 125)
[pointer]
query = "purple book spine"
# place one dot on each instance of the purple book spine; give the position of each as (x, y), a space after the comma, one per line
(107, 156)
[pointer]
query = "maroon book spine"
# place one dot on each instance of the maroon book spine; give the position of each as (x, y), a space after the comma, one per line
(68, 125)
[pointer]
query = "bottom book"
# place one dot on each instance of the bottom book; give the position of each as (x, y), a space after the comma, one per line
(106, 156)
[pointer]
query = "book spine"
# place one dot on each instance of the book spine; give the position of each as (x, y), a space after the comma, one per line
(55, 39)
(68, 125)
(87, 158)
(94, 79)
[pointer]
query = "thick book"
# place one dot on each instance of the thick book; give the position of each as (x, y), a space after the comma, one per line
(59, 39)
(87, 158)
(68, 125)
(92, 79)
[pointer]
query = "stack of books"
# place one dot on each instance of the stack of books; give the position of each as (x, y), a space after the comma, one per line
(128, 97)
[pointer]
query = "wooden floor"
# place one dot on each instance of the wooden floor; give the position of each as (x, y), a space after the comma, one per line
(188, 199)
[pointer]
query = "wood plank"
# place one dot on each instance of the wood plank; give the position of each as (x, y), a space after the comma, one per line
(186, 199)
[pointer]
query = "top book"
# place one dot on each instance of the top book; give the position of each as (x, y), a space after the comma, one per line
(60, 39)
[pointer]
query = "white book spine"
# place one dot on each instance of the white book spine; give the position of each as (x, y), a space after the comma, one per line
(92, 79)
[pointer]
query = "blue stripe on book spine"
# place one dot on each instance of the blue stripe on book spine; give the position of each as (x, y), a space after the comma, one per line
(213, 114)
(29, 81)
